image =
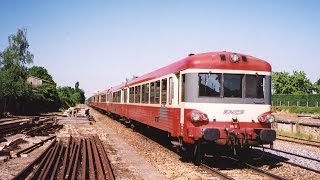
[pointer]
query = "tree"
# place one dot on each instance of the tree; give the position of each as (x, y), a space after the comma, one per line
(281, 83)
(298, 83)
(71, 96)
(301, 84)
(13, 71)
(17, 55)
(40, 72)
(317, 86)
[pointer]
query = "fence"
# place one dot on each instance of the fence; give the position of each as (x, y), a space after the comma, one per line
(311, 100)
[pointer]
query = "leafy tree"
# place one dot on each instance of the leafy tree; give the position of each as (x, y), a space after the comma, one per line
(40, 72)
(317, 86)
(298, 83)
(281, 83)
(13, 71)
(71, 96)
(301, 84)
(47, 95)
(65, 94)
(16, 55)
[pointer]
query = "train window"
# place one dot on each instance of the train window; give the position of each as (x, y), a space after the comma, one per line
(254, 86)
(170, 90)
(131, 95)
(209, 84)
(114, 97)
(137, 94)
(164, 91)
(125, 95)
(232, 85)
(152, 93)
(103, 98)
(119, 96)
(157, 92)
(183, 83)
(147, 93)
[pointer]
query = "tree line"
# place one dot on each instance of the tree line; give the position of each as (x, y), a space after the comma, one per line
(296, 83)
(17, 96)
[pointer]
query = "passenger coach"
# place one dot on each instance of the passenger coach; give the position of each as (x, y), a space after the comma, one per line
(205, 100)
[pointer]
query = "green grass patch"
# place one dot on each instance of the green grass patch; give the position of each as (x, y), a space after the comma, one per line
(297, 109)
(297, 135)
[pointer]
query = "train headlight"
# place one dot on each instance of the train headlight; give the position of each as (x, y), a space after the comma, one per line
(234, 57)
(198, 116)
(195, 116)
(266, 118)
(270, 118)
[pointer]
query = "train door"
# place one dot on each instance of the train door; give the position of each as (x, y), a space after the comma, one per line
(124, 102)
(181, 100)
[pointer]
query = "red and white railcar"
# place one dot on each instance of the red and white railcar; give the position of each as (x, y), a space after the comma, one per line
(219, 98)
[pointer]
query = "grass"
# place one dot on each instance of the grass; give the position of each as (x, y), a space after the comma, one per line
(297, 109)
(297, 135)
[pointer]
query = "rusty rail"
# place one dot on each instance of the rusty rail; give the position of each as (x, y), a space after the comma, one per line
(84, 157)
(28, 149)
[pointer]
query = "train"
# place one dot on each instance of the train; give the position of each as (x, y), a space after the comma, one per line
(204, 102)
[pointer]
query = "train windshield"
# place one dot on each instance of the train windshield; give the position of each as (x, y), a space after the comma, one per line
(231, 85)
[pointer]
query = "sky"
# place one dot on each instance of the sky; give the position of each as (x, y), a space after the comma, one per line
(101, 43)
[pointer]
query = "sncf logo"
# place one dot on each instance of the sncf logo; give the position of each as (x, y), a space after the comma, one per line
(233, 112)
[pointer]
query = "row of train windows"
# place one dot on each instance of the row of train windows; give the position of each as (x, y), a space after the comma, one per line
(146, 93)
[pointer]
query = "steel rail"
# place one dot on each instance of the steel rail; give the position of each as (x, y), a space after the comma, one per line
(65, 159)
(274, 176)
(75, 166)
(293, 164)
(47, 165)
(26, 171)
(299, 141)
(290, 153)
(84, 160)
(90, 158)
(105, 160)
(100, 172)
(71, 163)
(35, 145)
(37, 172)
(55, 167)
(217, 172)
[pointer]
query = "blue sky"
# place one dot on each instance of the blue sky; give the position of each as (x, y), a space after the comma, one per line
(101, 43)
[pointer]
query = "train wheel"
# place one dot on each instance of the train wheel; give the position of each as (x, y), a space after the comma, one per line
(197, 155)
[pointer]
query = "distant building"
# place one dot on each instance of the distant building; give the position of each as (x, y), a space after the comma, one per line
(35, 81)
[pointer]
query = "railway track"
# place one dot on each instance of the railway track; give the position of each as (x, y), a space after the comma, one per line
(256, 169)
(290, 153)
(298, 141)
(285, 161)
(216, 172)
(81, 158)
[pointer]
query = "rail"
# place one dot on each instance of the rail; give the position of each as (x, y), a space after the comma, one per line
(84, 157)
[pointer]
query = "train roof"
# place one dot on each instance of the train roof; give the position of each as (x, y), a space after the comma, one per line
(209, 60)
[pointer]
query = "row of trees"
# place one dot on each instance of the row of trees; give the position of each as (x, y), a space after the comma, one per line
(18, 96)
(297, 83)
